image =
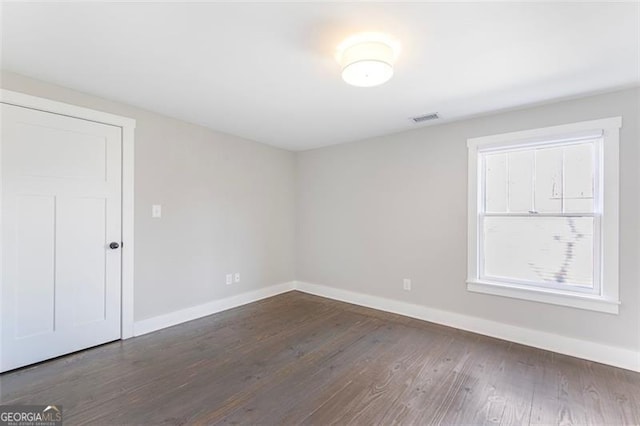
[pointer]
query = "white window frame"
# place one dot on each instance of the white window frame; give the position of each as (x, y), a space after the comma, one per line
(606, 298)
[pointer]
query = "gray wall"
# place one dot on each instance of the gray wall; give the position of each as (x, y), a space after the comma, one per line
(373, 212)
(366, 214)
(227, 204)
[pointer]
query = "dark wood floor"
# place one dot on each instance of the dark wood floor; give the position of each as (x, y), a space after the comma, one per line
(297, 358)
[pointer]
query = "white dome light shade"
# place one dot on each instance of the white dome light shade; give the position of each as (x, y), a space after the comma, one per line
(367, 59)
(367, 73)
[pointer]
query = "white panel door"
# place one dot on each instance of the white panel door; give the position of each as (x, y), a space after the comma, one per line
(61, 210)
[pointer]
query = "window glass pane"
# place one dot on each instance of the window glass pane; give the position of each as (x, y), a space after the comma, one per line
(520, 169)
(540, 249)
(548, 198)
(578, 178)
(496, 183)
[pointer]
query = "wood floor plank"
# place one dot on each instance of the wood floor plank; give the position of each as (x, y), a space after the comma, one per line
(218, 333)
(237, 370)
(379, 383)
(302, 359)
(325, 379)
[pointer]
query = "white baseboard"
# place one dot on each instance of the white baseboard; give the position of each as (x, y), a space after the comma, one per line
(173, 318)
(605, 354)
(611, 355)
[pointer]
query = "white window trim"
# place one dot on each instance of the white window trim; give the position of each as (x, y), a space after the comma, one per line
(608, 299)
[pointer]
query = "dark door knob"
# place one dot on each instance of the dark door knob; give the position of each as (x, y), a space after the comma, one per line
(114, 245)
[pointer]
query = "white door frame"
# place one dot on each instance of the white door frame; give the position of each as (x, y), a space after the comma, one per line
(128, 126)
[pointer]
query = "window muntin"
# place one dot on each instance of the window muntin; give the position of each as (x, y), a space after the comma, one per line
(547, 195)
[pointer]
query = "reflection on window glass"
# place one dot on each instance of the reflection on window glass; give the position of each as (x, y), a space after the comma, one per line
(540, 249)
(548, 177)
(578, 178)
(543, 180)
(495, 183)
(520, 189)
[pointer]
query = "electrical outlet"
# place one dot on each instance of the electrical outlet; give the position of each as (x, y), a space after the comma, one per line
(229, 279)
(236, 277)
(406, 284)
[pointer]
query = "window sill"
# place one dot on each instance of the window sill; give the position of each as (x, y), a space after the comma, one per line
(588, 302)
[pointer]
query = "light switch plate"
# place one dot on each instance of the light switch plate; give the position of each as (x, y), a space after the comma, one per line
(156, 210)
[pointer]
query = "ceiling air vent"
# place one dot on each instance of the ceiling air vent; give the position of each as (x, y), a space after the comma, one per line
(426, 117)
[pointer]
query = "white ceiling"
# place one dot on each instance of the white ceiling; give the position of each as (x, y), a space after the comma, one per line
(267, 72)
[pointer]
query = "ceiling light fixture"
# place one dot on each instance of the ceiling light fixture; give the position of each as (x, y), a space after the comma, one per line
(367, 59)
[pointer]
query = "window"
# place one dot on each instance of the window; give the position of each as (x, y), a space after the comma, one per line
(543, 215)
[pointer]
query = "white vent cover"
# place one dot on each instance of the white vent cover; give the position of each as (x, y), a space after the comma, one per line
(426, 117)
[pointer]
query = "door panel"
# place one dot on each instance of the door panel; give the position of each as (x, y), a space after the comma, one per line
(61, 207)
(39, 144)
(87, 283)
(34, 236)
